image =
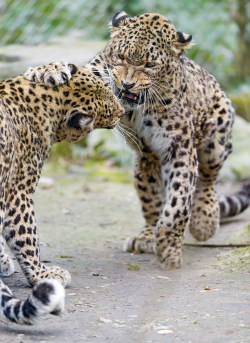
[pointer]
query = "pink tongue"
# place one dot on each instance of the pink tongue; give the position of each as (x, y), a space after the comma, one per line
(130, 95)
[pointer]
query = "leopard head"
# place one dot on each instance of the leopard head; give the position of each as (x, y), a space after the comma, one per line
(144, 51)
(90, 104)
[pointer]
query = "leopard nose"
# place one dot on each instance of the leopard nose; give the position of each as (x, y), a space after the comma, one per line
(111, 127)
(127, 85)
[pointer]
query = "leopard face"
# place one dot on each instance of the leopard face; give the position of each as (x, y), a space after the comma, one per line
(93, 106)
(143, 51)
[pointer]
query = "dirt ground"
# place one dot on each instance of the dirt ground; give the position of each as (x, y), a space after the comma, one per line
(120, 297)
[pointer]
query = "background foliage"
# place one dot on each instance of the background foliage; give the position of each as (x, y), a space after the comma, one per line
(220, 29)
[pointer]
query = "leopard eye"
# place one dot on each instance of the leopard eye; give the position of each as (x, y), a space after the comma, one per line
(150, 65)
(120, 56)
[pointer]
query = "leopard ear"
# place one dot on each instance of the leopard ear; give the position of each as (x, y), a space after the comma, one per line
(73, 68)
(119, 19)
(184, 41)
(79, 120)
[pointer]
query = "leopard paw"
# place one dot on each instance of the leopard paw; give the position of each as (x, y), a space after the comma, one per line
(139, 245)
(144, 242)
(52, 74)
(168, 256)
(54, 272)
(202, 233)
(202, 228)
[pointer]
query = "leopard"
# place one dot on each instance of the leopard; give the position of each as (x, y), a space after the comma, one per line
(34, 116)
(179, 122)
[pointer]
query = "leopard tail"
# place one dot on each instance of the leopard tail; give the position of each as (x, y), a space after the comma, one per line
(231, 205)
(47, 297)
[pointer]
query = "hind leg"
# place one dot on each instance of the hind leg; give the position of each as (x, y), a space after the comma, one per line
(205, 211)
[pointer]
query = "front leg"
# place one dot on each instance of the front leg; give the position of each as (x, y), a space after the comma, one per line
(7, 267)
(151, 192)
(179, 175)
(6, 264)
(20, 233)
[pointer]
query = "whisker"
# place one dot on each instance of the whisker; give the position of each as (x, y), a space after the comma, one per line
(159, 97)
(149, 100)
(130, 136)
(145, 98)
(153, 101)
(127, 127)
(161, 85)
(130, 133)
(119, 136)
(160, 89)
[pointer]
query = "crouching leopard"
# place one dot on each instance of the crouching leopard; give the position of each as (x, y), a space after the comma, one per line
(181, 121)
(32, 117)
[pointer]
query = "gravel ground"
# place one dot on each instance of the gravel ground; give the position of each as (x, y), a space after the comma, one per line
(121, 297)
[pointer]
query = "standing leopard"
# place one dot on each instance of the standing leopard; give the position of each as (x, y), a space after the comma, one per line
(181, 120)
(32, 117)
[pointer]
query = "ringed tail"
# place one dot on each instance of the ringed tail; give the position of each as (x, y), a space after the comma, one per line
(231, 205)
(47, 297)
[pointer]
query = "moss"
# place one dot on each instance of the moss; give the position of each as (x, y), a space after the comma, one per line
(133, 267)
(234, 260)
(107, 174)
(62, 149)
(64, 256)
(241, 103)
(241, 236)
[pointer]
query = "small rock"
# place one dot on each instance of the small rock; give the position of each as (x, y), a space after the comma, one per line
(46, 182)
(66, 211)
(163, 277)
(242, 325)
(105, 320)
(163, 332)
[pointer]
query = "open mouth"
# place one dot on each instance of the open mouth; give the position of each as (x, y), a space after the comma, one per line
(130, 96)
(133, 98)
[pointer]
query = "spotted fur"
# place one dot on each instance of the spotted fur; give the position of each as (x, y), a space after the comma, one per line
(47, 297)
(179, 121)
(33, 116)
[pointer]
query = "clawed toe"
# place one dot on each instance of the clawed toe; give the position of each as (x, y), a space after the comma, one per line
(139, 244)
